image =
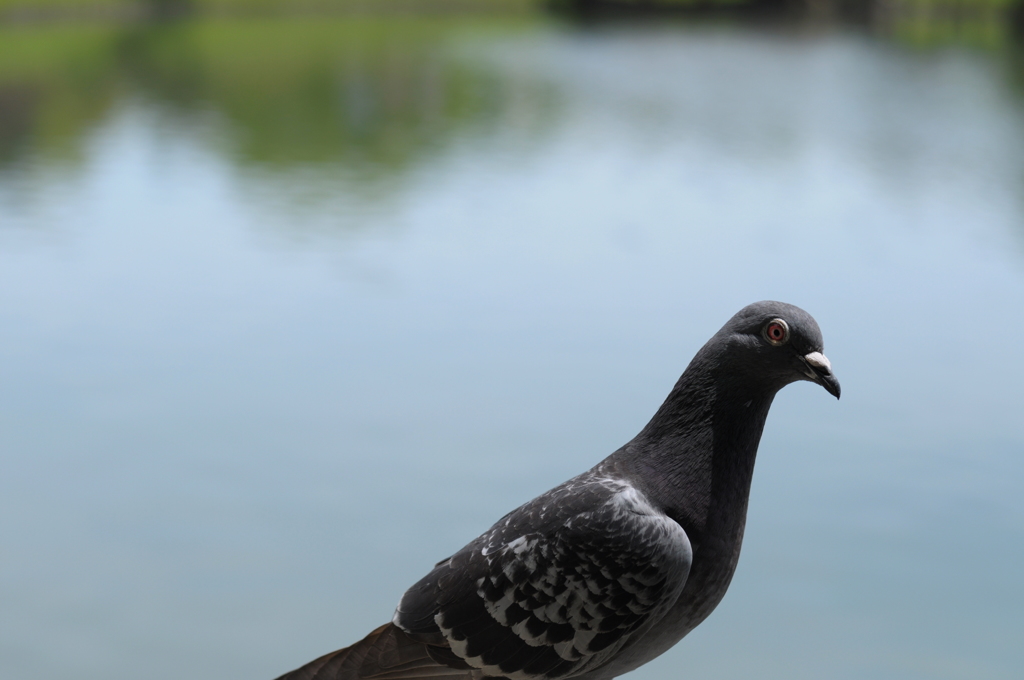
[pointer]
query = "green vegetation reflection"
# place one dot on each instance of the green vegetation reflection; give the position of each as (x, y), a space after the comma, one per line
(369, 93)
(55, 83)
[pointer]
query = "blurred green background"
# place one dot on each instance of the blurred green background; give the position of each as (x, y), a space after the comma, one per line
(273, 68)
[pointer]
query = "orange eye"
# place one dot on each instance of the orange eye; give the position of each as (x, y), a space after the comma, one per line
(776, 332)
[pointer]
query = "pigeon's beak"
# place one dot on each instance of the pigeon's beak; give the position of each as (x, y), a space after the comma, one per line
(819, 369)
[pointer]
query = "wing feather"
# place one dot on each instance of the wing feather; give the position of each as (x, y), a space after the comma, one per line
(556, 587)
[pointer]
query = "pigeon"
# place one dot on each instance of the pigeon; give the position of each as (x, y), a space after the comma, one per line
(607, 571)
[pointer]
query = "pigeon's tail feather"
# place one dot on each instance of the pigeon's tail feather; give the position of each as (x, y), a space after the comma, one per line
(388, 653)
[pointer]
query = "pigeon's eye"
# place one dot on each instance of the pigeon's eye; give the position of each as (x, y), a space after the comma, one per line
(776, 332)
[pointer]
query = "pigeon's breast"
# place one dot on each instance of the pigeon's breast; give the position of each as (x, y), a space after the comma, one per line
(714, 561)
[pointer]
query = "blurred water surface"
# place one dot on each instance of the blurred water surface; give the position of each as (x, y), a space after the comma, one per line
(290, 310)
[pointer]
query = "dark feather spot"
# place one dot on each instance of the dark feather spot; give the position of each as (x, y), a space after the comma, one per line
(621, 601)
(535, 627)
(514, 614)
(517, 661)
(604, 640)
(491, 591)
(532, 603)
(463, 611)
(505, 649)
(610, 623)
(480, 640)
(560, 632)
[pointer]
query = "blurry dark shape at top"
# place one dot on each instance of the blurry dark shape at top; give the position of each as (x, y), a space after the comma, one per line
(920, 23)
(683, 8)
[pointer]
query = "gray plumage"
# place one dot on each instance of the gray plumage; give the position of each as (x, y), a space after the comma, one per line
(608, 570)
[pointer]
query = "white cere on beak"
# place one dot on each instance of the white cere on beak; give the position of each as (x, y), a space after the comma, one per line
(818, 360)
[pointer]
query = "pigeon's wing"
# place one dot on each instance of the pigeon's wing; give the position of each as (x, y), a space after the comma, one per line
(555, 588)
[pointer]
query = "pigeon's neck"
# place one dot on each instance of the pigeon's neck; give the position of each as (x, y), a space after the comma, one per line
(695, 458)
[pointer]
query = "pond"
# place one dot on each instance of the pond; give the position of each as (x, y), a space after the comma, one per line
(292, 309)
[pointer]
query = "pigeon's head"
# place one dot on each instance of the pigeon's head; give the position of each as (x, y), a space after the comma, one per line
(780, 343)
